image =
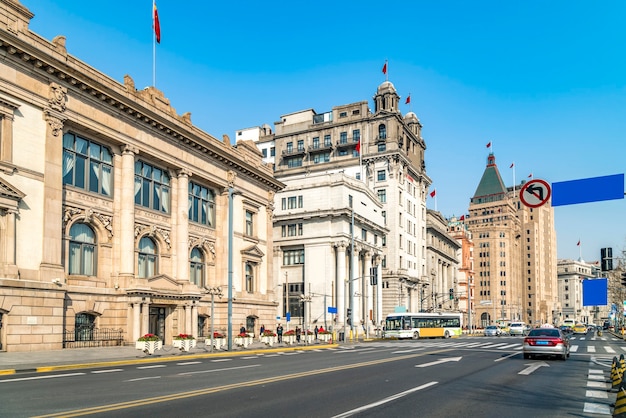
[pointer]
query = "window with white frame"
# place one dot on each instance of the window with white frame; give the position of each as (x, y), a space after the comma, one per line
(249, 223)
(82, 254)
(147, 258)
(196, 267)
(152, 187)
(87, 165)
(201, 204)
(249, 277)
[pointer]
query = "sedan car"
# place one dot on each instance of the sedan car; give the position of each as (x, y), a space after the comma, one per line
(579, 329)
(546, 342)
(493, 331)
(517, 328)
(567, 331)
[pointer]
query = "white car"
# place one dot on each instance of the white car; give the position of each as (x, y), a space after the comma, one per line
(517, 328)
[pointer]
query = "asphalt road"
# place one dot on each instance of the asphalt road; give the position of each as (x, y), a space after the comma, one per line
(468, 376)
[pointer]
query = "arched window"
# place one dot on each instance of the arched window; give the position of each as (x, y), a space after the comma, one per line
(82, 256)
(249, 277)
(147, 259)
(196, 267)
(382, 131)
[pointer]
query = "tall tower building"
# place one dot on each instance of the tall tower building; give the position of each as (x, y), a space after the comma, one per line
(515, 254)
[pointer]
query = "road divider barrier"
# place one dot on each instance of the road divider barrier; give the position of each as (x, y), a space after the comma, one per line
(620, 403)
(616, 376)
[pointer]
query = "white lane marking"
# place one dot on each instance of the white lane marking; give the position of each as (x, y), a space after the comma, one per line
(598, 385)
(596, 371)
(407, 351)
(188, 363)
(221, 360)
(509, 346)
(597, 408)
(383, 401)
(143, 378)
(573, 349)
(506, 357)
(599, 394)
(609, 349)
(440, 361)
(249, 357)
(220, 370)
(156, 366)
(52, 376)
(107, 371)
(591, 349)
(596, 377)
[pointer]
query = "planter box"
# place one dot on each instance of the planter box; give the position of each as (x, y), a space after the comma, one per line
(324, 337)
(184, 345)
(243, 341)
(218, 343)
(268, 340)
(289, 339)
(149, 347)
(308, 339)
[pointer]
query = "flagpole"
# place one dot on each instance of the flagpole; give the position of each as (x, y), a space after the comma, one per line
(361, 160)
(153, 46)
(513, 179)
(386, 72)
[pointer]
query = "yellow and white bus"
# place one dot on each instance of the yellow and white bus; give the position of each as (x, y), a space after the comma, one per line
(422, 325)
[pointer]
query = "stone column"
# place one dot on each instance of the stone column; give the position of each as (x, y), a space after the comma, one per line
(145, 317)
(136, 306)
(367, 290)
(182, 226)
(194, 319)
(51, 264)
(127, 212)
(187, 326)
(340, 284)
(379, 294)
(354, 286)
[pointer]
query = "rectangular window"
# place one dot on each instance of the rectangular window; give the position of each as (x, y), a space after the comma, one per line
(316, 142)
(201, 204)
(327, 141)
(290, 147)
(381, 175)
(364, 234)
(356, 135)
(264, 152)
(249, 223)
(382, 147)
(87, 165)
(343, 137)
(300, 201)
(294, 162)
(300, 145)
(272, 152)
(152, 187)
(292, 257)
(382, 195)
(292, 202)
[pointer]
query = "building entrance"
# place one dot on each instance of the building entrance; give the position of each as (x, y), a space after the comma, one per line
(157, 322)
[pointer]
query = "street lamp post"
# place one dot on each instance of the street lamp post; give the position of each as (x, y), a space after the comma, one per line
(213, 291)
(231, 192)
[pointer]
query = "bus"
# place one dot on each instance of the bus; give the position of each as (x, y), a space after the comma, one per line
(422, 325)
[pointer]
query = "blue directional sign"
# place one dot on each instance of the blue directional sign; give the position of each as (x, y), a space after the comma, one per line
(595, 292)
(332, 309)
(592, 189)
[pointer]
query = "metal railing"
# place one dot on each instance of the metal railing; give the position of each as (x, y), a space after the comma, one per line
(92, 337)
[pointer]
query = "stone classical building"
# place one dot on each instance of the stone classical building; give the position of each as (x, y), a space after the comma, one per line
(571, 274)
(515, 252)
(442, 249)
(458, 230)
(114, 208)
(384, 151)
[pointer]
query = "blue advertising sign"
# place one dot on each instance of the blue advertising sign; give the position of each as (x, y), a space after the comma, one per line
(332, 309)
(595, 292)
(593, 189)
(288, 317)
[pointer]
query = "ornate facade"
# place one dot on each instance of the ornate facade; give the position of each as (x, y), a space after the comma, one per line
(114, 208)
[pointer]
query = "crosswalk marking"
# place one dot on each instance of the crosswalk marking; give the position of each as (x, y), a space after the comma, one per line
(591, 349)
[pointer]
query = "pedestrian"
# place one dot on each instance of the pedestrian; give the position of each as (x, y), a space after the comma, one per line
(298, 334)
(316, 330)
(279, 332)
(242, 330)
(262, 330)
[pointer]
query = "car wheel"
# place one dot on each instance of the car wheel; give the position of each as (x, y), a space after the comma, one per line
(526, 356)
(564, 357)
(447, 334)
(416, 335)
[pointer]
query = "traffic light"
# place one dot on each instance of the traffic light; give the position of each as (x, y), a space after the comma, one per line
(349, 317)
(606, 259)
(624, 278)
(451, 294)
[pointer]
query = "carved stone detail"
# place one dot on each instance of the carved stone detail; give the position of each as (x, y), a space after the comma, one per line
(57, 97)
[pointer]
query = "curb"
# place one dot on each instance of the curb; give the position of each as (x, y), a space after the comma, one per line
(151, 359)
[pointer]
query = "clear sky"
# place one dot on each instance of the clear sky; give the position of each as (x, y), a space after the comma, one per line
(543, 81)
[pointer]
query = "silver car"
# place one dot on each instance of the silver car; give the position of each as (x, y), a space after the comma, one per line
(547, 342)
(493, 331)
(517, 328)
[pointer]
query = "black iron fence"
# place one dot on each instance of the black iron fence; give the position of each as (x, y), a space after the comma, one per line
(92, 337)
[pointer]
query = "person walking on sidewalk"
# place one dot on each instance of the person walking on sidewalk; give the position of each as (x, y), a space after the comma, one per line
(279, 332)
(316, 330)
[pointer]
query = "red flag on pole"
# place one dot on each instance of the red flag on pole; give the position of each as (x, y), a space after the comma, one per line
(358, 146)
(462, 218)
(489, 144)
(408, 99)
(578, 245)
(433, 193)
(385, 68)
(512, 164)
(157, 26)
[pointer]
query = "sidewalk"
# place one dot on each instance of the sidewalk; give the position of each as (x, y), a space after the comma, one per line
(74, 358)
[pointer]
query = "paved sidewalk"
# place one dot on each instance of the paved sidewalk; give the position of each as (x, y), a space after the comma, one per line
(72, 358)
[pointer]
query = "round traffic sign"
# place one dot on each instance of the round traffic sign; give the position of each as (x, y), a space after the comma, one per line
(535, 193)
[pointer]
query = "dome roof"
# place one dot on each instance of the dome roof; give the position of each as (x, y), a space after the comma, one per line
(386, 87)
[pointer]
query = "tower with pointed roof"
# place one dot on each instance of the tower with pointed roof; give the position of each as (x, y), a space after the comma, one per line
(496, 232)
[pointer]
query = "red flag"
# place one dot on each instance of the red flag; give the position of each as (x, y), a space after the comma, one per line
(462, 218)
(489, 144)
(157, 26)
(530, 176)
(408, 99)
(385, 68)
(578, 245)
(358, 146)
(433, 193)
(512, 164)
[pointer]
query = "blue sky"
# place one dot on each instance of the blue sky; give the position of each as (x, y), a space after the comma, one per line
(544, 81)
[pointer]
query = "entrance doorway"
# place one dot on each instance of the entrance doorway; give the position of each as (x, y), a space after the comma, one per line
(157, 322)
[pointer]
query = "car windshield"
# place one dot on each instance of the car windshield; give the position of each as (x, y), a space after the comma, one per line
(544, 332)
(491, 327)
